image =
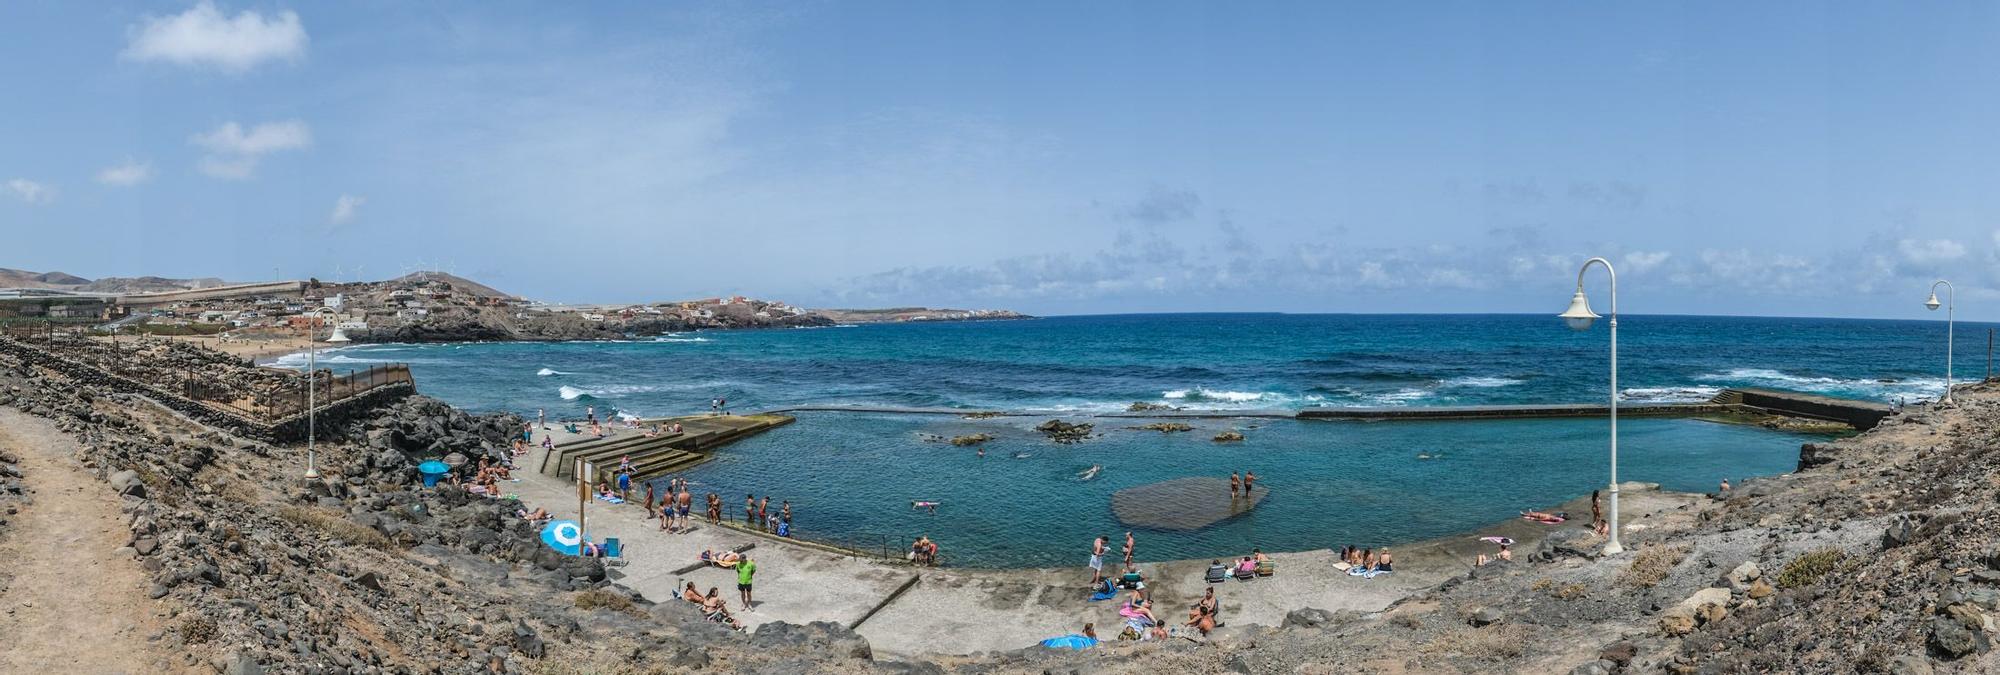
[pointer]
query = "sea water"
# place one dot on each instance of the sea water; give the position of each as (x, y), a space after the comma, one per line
(851, 476)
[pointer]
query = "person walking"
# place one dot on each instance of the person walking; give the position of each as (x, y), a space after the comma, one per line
(1235, 483)
(542, 418)
(746, 569)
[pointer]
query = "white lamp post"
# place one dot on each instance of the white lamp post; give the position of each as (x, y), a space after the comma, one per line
(1950, 297)
(1579, 317)
(312, 407)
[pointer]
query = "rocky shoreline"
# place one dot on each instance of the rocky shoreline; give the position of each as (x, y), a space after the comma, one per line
(1880, 555)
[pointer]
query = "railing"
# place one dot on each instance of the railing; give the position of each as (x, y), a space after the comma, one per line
(332, 390)
(888, 548)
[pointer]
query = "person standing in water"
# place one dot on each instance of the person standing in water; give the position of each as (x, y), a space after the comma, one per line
(1249, 481)
(1235, 483)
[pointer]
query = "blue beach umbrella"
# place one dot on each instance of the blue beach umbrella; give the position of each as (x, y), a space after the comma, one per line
(563, 536)
(432, 471)
(1076, 642)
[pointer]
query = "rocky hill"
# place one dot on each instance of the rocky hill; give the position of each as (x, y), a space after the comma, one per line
(11, 278)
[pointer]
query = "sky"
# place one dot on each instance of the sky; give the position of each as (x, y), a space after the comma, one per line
(1054, 158)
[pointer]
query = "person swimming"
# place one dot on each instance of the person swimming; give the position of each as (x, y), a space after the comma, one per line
(921, 504)
(1090, 473)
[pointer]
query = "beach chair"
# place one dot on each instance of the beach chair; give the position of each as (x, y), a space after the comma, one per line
(1217, 574)
(1266, 568)
(613, 548)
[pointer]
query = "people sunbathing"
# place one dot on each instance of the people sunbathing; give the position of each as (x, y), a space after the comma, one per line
(716, 609)
(722, 559)
(691, 595)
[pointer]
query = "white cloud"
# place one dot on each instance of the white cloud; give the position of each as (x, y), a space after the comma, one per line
(130, 172)
(203, 36)
(31, 191)
(1640, 261)
(343, 209)
(233, 153)
(1930, 250)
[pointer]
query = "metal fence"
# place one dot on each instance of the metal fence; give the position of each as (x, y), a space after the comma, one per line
(329, 390)
(889, 548)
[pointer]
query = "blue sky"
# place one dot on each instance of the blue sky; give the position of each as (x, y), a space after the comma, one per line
(1731, 158)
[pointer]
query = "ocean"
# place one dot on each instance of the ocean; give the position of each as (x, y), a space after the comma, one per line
(851, 476)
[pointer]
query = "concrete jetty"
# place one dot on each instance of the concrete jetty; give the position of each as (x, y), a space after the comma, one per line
(654, 456)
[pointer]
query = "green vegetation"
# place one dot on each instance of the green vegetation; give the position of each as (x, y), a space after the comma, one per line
(1808, 568)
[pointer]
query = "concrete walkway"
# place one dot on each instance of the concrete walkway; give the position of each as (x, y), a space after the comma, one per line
(962, 611)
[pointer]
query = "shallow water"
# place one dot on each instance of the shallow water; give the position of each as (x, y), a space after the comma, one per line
(851, 478)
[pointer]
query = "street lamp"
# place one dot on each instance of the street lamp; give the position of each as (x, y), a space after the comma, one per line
(1950, 297)
(1579, 317)
(312, 407)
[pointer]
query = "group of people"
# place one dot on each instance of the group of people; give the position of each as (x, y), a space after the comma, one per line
(1100, 546)
(757, 514)
(712, 605)
(1240, 484)
(676, 511)
(923, 552)
(1368, 563)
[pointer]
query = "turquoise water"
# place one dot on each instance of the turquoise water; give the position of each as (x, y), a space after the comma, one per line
(851, 476)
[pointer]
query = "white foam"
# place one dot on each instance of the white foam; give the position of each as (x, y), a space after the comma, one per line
(570, 393)
(1689, 394)
(1206, 394)
(1400, 397)
(1482, 382)
(545, 372)
(1885, 390)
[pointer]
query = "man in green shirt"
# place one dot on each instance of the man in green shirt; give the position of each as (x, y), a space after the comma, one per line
(744, 570)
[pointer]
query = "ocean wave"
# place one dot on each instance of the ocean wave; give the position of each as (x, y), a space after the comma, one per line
(1400, 397)
(571, 393)
(1482, 382)
(680, 339)
(1689, 394)
(325, 358)
(1884, 389)
(1205, 394)
(545, 372)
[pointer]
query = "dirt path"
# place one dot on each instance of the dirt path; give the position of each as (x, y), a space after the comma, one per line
(67, 602)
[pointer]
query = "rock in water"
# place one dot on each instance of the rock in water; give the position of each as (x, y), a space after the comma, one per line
(1182, 504)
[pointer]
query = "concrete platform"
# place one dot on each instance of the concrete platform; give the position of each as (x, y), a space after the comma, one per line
(1182, 504)
(962, 611)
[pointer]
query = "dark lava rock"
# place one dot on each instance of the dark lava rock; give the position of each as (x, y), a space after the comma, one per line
(1620, 653)
(1486, 616)
(1950, 640)
(823, 636)
(1307, 618)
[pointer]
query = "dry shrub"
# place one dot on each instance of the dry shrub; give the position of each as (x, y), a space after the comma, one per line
(1492, 643)
(1652, 565)
(1807, 569)
(1570, 591)
(598, 598)
(196, 630)
(335, 525)
(613, 657)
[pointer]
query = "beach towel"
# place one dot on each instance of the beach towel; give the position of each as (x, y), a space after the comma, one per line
(1375, 573)
(1357, 571)
(614, 500)
(1076, 642)
(1105, 594)
(1503, 541)
(1341, 566)
(1552, 520)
